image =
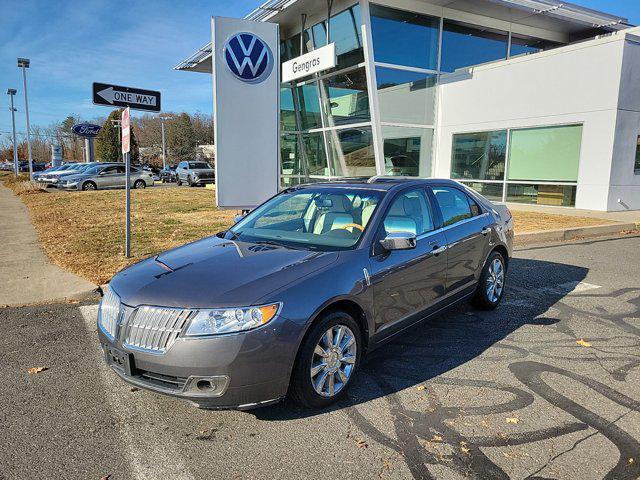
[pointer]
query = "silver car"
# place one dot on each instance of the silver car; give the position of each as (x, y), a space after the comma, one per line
(107, 176)
(195, 173)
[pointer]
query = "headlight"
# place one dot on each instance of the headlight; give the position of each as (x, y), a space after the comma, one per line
(229, 320)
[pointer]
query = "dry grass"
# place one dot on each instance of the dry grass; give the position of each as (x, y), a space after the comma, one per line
(83, 232)
(533, 221)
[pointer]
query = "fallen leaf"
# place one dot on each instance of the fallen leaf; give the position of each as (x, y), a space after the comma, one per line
(437, 438)
(386, 464)
(106, 477)
(421, 388)
(630, 462)
(464, 448)
(582, 343)
(34, 370)
(134, 389)
(362, 444)
(512, 420)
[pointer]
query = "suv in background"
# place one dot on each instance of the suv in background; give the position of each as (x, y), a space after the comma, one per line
(195, 173)
(168, 174)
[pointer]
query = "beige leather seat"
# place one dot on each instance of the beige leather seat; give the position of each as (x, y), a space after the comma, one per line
(338, 215)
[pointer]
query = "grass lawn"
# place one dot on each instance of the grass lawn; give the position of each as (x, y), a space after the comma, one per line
(83, 232)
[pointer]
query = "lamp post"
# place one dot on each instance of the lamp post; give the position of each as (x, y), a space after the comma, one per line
(164, 151)
(24, 64)
(11, 92)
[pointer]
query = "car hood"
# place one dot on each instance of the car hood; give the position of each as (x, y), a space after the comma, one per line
(214, 272)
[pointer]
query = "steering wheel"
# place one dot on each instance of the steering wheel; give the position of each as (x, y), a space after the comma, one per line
(350, 225)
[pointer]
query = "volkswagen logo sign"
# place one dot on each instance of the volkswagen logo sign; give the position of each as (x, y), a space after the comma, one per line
(248, 57)
(86, 129)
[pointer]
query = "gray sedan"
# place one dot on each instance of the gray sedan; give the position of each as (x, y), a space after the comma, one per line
(289, 299)
(105, 176)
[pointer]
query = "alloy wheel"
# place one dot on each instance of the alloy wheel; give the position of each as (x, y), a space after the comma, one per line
(495, 280)
(333, 361)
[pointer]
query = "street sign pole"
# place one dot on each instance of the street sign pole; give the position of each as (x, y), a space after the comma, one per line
(16, 165)
(126, 150)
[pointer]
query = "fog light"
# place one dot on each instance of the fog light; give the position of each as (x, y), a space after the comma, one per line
(206, 386)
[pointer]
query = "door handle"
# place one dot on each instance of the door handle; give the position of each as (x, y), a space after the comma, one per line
(438, 250)
(485, 231)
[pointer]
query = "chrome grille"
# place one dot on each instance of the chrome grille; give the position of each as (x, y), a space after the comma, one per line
(155, 328)
(109, 313)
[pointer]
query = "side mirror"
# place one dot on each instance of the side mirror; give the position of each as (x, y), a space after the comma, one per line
(399, 241)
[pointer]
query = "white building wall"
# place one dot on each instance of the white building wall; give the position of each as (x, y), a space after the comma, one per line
(624, 192)
(578, 83)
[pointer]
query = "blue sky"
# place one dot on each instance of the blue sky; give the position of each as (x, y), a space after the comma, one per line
(73, 43)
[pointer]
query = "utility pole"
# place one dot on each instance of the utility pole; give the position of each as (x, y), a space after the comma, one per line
(16, 168)
(24, 64)
(164, 151)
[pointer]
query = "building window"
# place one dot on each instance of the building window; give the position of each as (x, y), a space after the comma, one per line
(465, 45)
(287, 110)
(479, 156)
(549, 154)
(346, 34)
(492, 191)
(346, 98)
(405, 96)
(523, 45)
(407, 151)
(555, 195)
(636, 168)
(351, 152)
(404, 38)
(314, 153)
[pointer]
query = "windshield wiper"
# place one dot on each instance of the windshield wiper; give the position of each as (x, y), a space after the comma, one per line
(235, 235)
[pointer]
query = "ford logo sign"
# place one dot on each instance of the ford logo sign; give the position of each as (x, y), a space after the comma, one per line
(86, 129)
(248, 57)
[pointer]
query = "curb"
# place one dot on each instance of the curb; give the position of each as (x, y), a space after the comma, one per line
(561, 235)
(80, 297)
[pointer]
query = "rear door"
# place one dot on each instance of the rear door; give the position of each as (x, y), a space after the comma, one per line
(406, 282)
(468, 233)
(106, 177)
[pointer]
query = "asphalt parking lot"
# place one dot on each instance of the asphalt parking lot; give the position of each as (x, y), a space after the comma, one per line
(504, 394)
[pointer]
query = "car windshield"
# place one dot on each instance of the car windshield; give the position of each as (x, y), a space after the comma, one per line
(314, 218)
(94, 170)
(199, 165)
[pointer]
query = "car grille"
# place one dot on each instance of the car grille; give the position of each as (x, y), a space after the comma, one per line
(154, 328)
(109, 312)
(205, 174)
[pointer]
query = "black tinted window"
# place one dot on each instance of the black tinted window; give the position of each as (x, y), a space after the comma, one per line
(199, 165)
(453, 204)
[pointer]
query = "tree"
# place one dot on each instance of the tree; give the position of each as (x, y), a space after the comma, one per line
(181, 138)
(107, 144)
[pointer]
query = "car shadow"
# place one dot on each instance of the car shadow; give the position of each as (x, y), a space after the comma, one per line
(461, 334)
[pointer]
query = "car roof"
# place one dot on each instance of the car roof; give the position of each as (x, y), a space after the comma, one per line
(377, 183)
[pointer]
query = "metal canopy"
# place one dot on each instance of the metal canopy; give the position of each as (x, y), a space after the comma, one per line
(549, 14)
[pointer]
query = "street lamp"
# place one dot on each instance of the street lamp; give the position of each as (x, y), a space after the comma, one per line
(164, 150)
(11, 92)
(24, 64)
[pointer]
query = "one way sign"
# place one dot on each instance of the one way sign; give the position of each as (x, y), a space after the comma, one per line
(118, 96)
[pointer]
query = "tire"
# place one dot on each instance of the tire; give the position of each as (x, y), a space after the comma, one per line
(140, 184)
(179, 182)
(89, 186)
(491, 286)
(302, 388)
(190, 182)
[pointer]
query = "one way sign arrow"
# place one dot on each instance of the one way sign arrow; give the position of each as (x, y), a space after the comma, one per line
(119, 96)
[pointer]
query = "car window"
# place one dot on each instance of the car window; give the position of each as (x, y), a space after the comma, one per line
(120, 169)
(199, 165)
(453, 204)
(109, 170)
(411, 213)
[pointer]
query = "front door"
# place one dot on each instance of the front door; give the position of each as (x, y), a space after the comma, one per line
(468, 233)
(406, 282)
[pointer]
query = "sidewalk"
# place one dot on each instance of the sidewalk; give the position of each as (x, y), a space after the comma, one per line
(26, 275)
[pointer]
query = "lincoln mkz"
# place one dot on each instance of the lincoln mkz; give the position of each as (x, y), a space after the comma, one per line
(289, 299)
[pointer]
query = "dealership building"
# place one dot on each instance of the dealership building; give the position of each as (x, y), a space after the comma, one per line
(532, 101)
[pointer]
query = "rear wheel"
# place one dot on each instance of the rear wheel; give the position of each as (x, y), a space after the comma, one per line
(327, 360)
(89, 186)
(140, 184)
(490, 288)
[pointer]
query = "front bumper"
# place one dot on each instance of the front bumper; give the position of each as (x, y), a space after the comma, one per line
(204, 181)
(256, 363)
(64, 186)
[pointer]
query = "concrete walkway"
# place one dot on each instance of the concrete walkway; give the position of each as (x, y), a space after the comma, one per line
(26, 275)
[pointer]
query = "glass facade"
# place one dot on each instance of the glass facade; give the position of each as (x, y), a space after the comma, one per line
(528, 165)
(326, 118)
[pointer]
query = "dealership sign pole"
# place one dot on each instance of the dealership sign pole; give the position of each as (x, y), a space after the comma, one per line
(126, 149)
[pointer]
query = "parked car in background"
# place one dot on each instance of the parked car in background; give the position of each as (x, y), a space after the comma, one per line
(153, 171)
(50, 177)
(195, 173)
(106, 176)
(168, 174)
(289, 299)
(6, 166)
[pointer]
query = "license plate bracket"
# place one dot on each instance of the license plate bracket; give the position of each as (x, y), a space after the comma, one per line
(119, 359)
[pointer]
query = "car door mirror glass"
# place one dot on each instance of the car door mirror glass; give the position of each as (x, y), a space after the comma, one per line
(399, 241)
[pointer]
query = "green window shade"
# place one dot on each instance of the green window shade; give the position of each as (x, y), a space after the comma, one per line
(545, 154)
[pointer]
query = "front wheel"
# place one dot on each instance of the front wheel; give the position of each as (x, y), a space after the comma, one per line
(327, 360)
(140, 184)
(490, 288)
(179, 182)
